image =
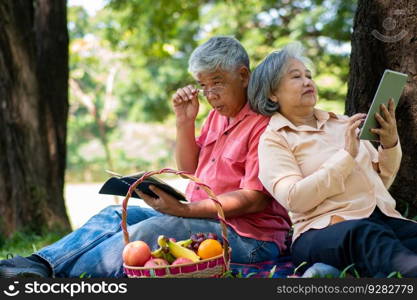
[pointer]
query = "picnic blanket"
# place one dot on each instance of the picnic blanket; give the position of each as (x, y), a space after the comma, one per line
(278, 268)
(282, 267)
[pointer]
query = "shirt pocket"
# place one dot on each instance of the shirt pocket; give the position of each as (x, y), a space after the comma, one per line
(235, 152)
(208, 144)
(211, 138)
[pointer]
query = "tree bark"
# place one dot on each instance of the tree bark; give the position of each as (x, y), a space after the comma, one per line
(385, 37)
(33, 114)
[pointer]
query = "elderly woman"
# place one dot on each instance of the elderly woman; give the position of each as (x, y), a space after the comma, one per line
(334, 185)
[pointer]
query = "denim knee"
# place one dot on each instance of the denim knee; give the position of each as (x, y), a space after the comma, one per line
(263, 250)
(148, 230)
(145, 230)
(110, 209)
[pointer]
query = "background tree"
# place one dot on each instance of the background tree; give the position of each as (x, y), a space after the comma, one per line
(33, 114)
(385, 37)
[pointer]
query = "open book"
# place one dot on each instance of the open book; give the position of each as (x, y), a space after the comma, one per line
(119, 185)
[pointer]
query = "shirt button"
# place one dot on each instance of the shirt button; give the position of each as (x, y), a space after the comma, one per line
(197, 188)
(226, 133)
(213, 160)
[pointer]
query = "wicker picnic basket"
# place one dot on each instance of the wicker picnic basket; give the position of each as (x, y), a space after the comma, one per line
(212, 267)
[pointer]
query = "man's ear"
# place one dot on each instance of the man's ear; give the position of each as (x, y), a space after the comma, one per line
(244, 75)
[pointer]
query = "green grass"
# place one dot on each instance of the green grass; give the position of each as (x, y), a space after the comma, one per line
(348, 272)
(25, 243)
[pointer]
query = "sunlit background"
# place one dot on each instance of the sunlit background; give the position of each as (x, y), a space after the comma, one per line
(127, 58)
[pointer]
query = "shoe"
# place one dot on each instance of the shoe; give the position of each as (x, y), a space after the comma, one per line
(321, 270)
(22, 267)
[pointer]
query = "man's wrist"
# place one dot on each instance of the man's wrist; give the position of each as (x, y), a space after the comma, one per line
(185, 124)
(185, 210)
(199, 209)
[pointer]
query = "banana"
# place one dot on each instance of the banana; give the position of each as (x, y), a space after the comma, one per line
(158, 253)
(169, 250)
(162, 253)
(169, 257)
(162, 241)
(184, 243)
(180, 251)
(163, 248)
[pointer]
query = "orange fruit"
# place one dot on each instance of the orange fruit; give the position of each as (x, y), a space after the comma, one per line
(209, 248)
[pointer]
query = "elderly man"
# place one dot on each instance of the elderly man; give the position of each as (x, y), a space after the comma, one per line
(224, 156)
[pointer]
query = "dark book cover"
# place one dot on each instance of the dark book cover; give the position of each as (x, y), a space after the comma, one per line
(119, 185)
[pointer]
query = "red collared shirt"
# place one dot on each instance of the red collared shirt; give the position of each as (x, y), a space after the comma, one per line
(228, 161)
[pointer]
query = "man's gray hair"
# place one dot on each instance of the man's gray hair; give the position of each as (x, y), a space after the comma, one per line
(221, 52)
(268, 74)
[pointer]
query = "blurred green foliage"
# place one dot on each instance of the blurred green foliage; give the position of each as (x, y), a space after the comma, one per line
(129, 58)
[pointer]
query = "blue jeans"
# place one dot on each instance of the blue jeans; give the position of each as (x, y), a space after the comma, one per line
(95, 249)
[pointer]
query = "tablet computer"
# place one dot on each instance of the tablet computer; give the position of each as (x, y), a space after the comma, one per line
(390, 86)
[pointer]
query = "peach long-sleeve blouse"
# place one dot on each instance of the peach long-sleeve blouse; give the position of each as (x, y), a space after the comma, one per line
(308, 172)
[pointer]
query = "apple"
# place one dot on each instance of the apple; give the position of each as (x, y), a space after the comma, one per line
(156, 262)
(181, 260)
(136, 253)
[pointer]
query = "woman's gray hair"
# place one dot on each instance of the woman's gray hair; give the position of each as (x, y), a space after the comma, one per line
(221, 52)
(267, 75)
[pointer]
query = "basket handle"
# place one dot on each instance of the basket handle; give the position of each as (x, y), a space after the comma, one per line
(206, 188)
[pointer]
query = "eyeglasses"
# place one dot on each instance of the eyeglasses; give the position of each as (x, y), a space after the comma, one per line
(217, 90)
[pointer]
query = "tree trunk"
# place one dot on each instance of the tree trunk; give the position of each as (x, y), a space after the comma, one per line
(33, 114)
(385, 37)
